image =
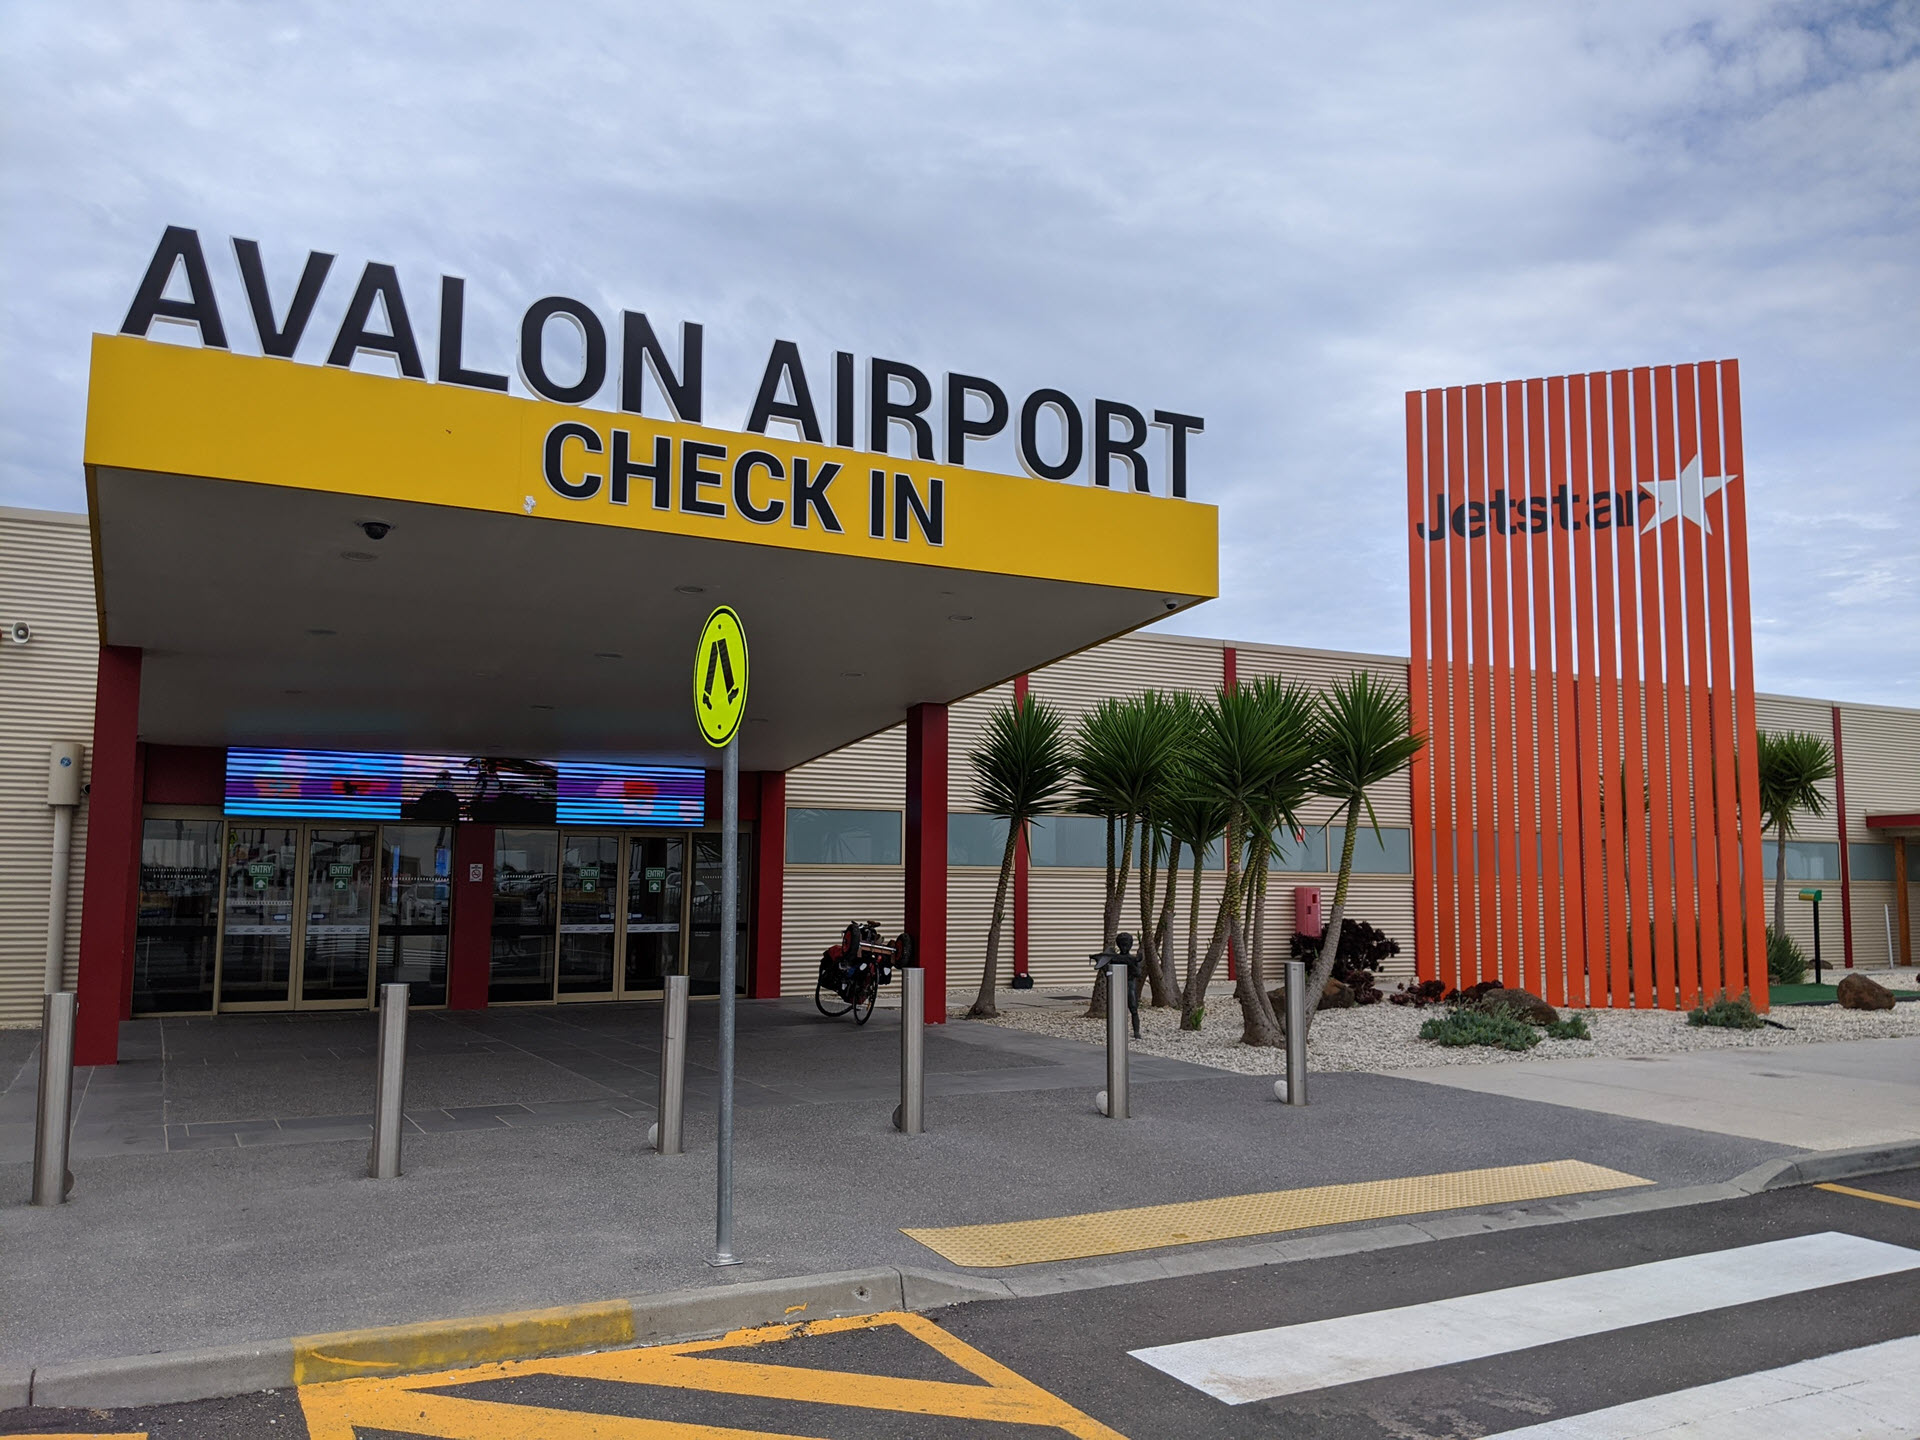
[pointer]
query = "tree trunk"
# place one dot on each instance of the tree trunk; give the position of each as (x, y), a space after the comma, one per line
(1330, 945)
(1150, 939)
(983, 1006)
(1193, 1004)
(1780, 879)
(1193, 932)
(1163, 932)
(1261, 1025)
(1109, 923)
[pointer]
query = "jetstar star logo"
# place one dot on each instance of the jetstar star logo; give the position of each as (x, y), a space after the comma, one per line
(1685, 498)
(1569, 510)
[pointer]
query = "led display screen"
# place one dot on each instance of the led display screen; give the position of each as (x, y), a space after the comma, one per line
(357, 785)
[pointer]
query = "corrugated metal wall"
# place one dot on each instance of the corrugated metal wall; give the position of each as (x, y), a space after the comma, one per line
(46, 694)
(1881, 751)
(1793, 712)
(1065, 904)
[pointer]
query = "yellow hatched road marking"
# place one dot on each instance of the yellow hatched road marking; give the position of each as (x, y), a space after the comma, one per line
(1150, 1227)
(404, 1405)
(1870, 1195)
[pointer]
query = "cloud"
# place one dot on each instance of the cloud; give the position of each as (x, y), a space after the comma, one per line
(1278, 218)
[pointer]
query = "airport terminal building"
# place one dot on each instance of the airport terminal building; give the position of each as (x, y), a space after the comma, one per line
(349, 678)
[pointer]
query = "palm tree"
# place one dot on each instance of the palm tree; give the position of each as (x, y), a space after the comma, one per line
(1194, 822)
(1793, 766)
(1251, 738)
(1019, 771)
(1275, 808)
(1366, 738)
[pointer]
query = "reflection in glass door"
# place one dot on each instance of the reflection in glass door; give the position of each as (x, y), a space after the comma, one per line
(589, 872)
(338, 954)
(524, 862)
(415, 905)
(703, 938)
(177, 933)
(656, 866)
(256, 948)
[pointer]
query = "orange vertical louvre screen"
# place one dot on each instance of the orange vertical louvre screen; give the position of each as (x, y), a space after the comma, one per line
(1583, 669)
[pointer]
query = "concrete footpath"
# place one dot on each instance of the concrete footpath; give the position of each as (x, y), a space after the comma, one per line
(530, 1184)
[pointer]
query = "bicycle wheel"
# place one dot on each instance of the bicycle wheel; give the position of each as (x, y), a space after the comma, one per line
(863, 1002)
(828, 1002)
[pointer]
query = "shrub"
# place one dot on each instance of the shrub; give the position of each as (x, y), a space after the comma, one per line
(1478, 1027)
(1727, 1014)
(1574, 1027)
(1786, 961)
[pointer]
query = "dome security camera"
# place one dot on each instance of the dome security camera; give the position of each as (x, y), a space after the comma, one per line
(375, 529)
(1173, 604)
(20, 632)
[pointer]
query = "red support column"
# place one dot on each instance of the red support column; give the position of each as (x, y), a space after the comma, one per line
(1840, 818)
(1230, 680)
(926, 849)
(470, 949)
(107, 911)
(1022, 862)
(769, 881)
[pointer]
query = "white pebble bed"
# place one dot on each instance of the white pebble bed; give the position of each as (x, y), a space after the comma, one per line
(1386, 1037)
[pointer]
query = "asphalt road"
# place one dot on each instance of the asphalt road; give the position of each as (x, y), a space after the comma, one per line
(1835, 1274)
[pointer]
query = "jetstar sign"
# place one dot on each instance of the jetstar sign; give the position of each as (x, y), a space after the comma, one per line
(1659, 501)
(1054, 439)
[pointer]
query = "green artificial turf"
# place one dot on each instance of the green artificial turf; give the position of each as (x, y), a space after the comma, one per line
(1820, 994)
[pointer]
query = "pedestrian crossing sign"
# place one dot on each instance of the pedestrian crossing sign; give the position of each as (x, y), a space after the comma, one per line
(720, 677)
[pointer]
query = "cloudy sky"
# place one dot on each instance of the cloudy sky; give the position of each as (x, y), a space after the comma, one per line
(1278, 217)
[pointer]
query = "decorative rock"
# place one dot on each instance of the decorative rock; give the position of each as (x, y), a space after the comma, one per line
(1857, 992)
(1338, 995)
(1280, 1091)
(1523, 1004)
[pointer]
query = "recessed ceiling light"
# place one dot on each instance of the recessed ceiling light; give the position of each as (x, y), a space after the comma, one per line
(851, 674)
(542, 707)
(691, 589)
(959, 617)
(323, 632)
(358, 555)
(293, 692)
(606, 654)
(756, 719)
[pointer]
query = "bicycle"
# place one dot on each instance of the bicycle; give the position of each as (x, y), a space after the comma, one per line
(852, 972)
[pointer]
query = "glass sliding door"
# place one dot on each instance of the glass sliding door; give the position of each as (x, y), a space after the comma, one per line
(336, 962)
(256, 944)
(416, 862)
(703, 930)
(176, 937)
(525, 879)
(589, 875)
(656, 888)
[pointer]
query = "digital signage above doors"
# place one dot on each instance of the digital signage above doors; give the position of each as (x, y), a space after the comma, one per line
(357, 785)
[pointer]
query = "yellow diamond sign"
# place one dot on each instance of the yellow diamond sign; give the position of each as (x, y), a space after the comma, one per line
(720, 677)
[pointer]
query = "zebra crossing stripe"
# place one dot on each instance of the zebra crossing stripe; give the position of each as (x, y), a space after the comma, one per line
(1290, 1359)
(1872, 1393)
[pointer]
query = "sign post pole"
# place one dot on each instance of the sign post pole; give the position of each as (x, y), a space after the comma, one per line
(719, 703)
(729, 922)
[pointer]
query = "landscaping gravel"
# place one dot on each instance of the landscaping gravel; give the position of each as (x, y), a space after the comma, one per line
(1386, 1037)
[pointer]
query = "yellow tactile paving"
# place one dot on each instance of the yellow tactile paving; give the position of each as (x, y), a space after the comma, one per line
(341, 1409)
(1233, 1217)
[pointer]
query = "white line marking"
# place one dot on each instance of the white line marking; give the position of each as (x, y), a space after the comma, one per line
(1868, 1394)
(1289, 1359)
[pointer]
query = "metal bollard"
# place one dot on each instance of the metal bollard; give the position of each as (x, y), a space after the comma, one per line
(1297, 1002)
(53, 1119)
(390, 1084)
(911, 1117)
(665, 1135)
(1117, 1108)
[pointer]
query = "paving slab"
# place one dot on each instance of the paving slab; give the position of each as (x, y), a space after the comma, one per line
(1818, 1097)
(219, 1242)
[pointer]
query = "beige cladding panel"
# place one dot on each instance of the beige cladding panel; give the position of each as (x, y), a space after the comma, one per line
(1127, 666)
(870, 774)
(1318, 669)
(46, 695)
(1875, 923)
(818, 905)
(1881, 750)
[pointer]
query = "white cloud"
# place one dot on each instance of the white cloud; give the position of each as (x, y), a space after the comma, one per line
(1281, 219)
